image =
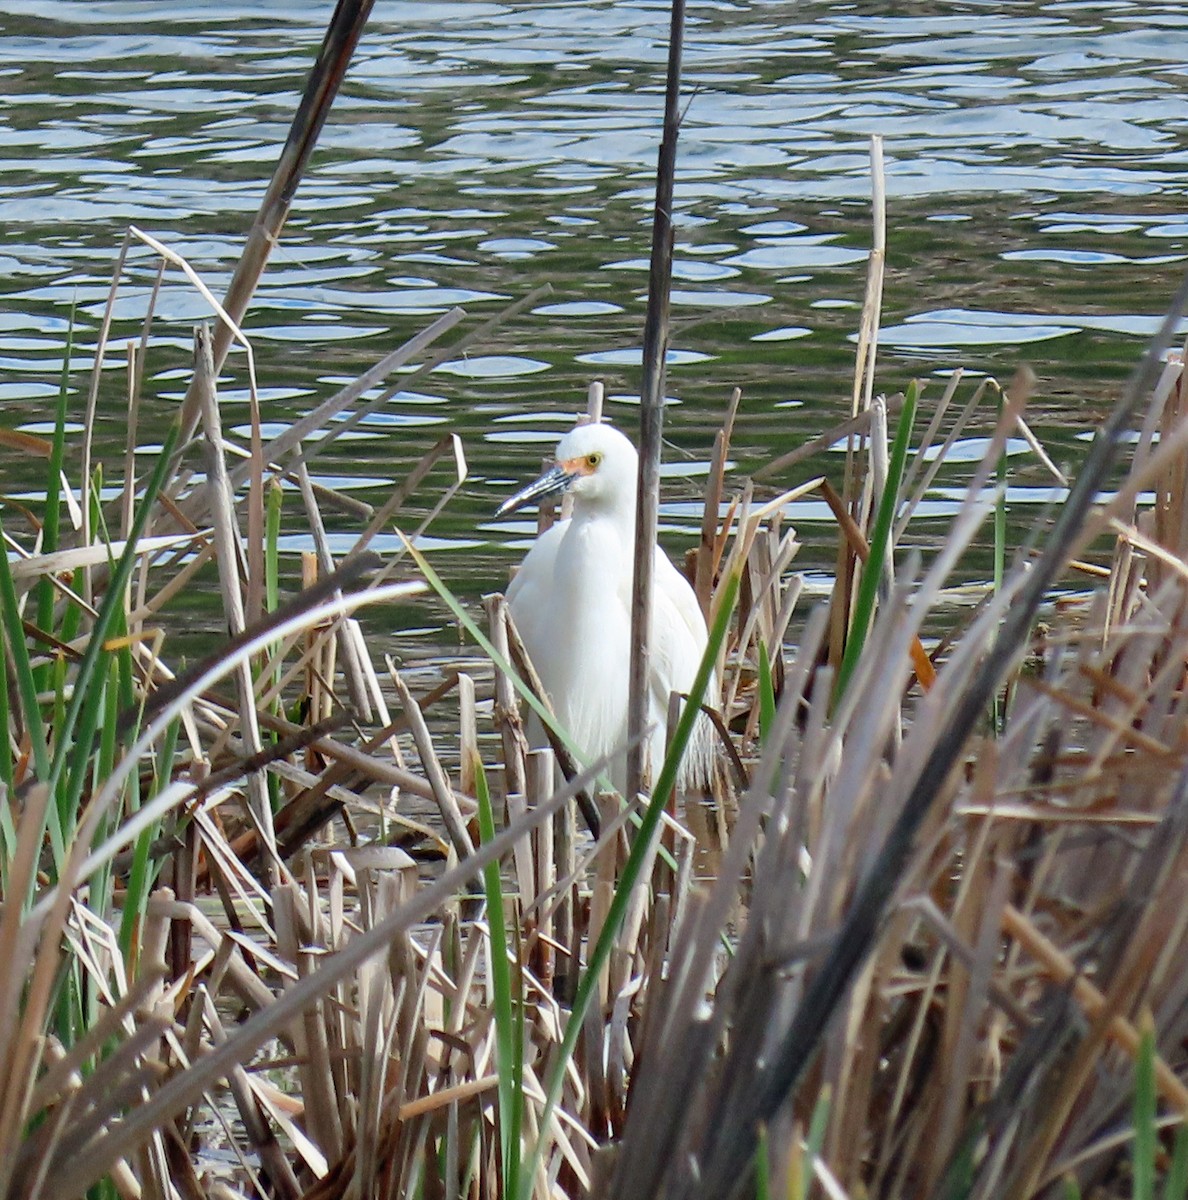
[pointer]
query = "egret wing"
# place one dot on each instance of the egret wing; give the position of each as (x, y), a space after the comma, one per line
(531, 584)
(678, 629)
(528, 599)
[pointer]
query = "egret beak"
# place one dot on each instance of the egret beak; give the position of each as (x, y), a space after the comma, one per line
(553, 482)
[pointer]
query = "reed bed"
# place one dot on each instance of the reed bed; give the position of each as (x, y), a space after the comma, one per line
(926, 938)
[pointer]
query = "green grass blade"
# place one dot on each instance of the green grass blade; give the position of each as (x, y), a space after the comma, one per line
(508, 1002)
(71, 623)
(51, 520)
(74, 740)
(1175, 1186)
(26, 682)
(141, 874)
(138, 885)
(762, 1166)
(60, 814)
(820, 1122)
(8, 837)
(632, 870)
(100, 897)
(1146, 1133)
(272, 528)
(7, 765)
(868, 588)
(767, 702)
(815, 1140)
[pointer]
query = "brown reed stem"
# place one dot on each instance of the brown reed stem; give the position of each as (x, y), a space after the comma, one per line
(651, 409)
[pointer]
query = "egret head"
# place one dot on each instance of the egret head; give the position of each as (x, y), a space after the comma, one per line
(597, 463)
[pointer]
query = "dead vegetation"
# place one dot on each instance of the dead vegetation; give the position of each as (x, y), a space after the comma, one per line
(931, 942)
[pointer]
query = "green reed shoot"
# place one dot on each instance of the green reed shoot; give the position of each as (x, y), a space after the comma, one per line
(141, 874)
(508, 999)
(801, 1184)
(762, 1166)
(65, 755)
(26, 687)
(1175, 1185)
(868, 587)
(1144, 1154)
(51, 520)
(767, 700)
(8, 837)
(1145, 1115)
(82, 712)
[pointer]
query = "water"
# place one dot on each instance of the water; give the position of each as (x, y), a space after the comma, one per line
(1037, 161)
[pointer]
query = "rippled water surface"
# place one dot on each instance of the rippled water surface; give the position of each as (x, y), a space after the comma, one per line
(1036, 166)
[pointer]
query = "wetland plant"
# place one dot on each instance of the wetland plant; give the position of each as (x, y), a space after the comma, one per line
(907, 950)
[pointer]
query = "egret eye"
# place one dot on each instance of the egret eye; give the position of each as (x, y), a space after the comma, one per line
(592, 460)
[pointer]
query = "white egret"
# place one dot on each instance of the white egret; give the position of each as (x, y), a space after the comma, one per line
(571, 602)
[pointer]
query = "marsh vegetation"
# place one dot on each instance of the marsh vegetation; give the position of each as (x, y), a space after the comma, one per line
(284, 921)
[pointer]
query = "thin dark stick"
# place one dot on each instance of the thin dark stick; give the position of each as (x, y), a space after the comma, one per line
(651, 405)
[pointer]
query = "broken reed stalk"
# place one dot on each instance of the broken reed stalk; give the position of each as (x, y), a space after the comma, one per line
(651, 408)
(230, 558)
(857, 489)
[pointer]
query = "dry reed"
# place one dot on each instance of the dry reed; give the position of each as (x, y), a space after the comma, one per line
(921, 942)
